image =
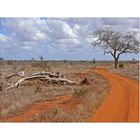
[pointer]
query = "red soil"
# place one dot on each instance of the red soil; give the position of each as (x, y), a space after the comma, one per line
(67, 102)
(122, 104)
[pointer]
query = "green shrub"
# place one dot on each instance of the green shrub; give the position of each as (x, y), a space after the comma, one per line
(80, 91)
(38, 89)
(121, 65)
(22, 68)
(94, 61)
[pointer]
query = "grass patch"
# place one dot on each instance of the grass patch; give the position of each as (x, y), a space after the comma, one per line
(38, 89)
(82, 91)
(121, 65)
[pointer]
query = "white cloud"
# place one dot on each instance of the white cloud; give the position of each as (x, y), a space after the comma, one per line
(39, 36)
(3, 38)
(61, 35)
(27, 47)
(57, 29)
(71, 41)
(26, 29)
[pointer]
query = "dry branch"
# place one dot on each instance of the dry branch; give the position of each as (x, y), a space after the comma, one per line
(47, 77)
(20, 74)
(50, 74)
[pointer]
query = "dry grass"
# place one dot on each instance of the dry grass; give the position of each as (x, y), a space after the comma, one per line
(86, 102)
(89, 99)
(129, 70)
(86, 99)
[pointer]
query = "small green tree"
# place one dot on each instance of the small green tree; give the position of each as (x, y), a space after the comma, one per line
(32, 59)
(41, 58)
(1, 58)
(94, 61)
(133, 60)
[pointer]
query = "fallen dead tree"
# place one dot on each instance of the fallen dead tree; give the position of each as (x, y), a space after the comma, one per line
(50, 74)
(20, 74)
(47, 77)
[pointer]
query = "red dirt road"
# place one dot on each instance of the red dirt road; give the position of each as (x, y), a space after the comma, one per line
(122, 104)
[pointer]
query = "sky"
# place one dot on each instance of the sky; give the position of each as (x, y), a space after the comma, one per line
(58, 38)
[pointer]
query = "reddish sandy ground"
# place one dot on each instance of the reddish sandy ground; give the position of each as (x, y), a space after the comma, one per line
(122, 104)
(43, 107)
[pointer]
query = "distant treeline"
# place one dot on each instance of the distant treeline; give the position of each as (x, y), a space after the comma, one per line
(68, 61)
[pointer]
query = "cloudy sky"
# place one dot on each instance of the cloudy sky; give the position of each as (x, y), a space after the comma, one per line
(58, 38)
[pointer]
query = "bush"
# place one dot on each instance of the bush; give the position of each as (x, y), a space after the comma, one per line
(94, 61)
(40, 64)
(121, 65)
(38, 89)
(10, 62)
(80, 91)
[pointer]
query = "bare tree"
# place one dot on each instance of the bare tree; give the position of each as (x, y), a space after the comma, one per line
(41, 58)
(1, 58)
(115, 43)
(32, 59)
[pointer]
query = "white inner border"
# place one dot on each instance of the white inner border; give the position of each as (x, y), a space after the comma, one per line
(71, 8)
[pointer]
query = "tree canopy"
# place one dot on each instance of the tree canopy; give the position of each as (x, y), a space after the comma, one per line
(115, 43)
